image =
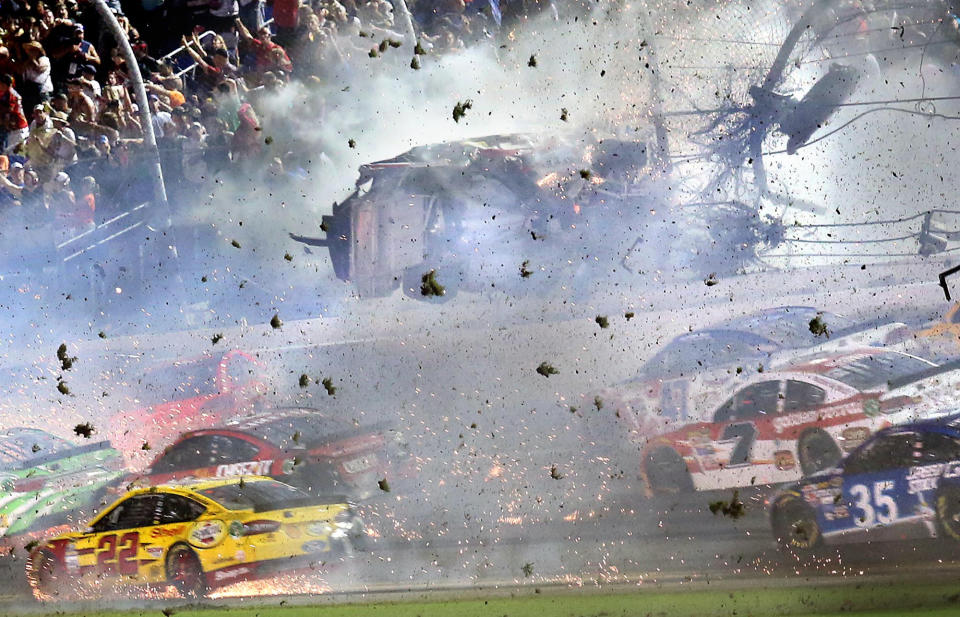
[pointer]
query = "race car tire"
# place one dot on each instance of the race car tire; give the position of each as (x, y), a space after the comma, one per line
(46, 575)
(817, 451)
(667, 472)
(185, 572)
(795, 527)
(948, 513)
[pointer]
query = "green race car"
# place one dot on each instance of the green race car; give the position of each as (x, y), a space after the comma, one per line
(46, 481)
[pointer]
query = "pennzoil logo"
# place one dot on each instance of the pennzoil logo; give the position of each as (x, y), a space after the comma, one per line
(166, 532)
(784, 459)
(207, 534)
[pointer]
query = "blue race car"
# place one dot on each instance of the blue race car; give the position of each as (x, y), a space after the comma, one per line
(903, 483)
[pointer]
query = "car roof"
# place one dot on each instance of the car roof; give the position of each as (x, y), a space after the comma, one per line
(189, 487)
(824, 362)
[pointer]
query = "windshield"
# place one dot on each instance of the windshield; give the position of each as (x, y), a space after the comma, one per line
(292, 428)
(689, 354)
(872, 372)
(177, 381)
(253, 495)
(19, 448)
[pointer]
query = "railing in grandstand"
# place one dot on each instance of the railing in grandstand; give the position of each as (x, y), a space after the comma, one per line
(174, 57)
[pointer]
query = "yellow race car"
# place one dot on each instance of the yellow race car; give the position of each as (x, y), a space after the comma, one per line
(196, 537)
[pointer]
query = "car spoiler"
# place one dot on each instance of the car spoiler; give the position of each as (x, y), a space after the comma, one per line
(899, 382)
(49, 458)
(382, 430)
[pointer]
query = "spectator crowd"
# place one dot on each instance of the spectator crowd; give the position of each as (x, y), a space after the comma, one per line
(70, 128)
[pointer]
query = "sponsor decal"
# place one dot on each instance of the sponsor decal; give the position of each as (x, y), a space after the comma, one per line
(248, 468)
(699, 435)
(927, 477)
(821, 493)
(839, 511)
(240, 555)
(167, 532)
(154, 552)
(784, 460)
(71, 559)
(815, 416)
(227, 574)
(852, 437)
(292, 531)
(207, 534)
(236, 529)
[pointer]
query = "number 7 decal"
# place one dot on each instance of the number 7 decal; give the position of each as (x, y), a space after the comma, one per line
(745, 433)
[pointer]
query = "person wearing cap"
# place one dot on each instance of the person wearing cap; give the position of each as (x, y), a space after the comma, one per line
(91, 87)
(14, 127)
(213, 70)
(161, 119)
(40, 119)
(86, 47)
(72, 218)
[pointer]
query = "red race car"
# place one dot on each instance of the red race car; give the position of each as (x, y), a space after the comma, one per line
(186, 395)
(302, 447)
(787, 423)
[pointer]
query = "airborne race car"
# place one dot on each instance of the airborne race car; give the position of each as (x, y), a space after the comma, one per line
(478, 212)
(901, 484)
(792, 422)
(196, 537)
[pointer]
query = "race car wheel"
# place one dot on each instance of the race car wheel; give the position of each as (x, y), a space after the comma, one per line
(795, 527)
(185, 572)
(667, 472)
(948, 513)
(45, 574)
(817, 451)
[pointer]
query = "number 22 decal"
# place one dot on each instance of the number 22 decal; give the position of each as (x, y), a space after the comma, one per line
(122, 561)
(881, 501)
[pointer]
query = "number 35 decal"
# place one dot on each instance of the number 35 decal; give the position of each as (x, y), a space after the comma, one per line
(118, 556)
(882, 509)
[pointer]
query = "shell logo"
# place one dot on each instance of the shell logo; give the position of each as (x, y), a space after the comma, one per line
(207, 534)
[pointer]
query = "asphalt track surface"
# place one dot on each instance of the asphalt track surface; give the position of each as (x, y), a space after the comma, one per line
(483, 509)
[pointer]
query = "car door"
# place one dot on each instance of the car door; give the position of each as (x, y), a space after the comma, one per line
(111, 550)
(879, 504)
(173, 523)
(740, 426)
